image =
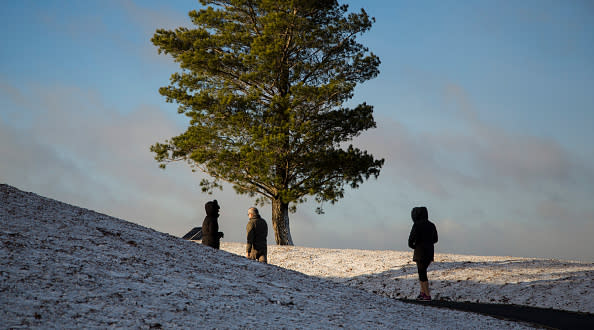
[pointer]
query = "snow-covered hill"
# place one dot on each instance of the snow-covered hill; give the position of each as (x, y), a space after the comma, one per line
(548, 283)
(67, 267)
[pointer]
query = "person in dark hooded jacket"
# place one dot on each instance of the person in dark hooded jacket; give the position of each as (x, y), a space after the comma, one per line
(211, 235)
(422, 237)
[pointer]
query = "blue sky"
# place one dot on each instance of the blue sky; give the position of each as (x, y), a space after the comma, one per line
(485, 113)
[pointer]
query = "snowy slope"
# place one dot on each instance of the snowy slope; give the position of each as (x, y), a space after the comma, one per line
(68, 267)
(548, 283)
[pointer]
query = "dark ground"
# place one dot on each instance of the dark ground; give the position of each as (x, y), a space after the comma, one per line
(539, 317)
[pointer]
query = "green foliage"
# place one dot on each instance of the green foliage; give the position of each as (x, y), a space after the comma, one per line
(263, 84)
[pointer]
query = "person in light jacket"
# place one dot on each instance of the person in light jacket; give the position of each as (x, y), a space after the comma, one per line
(257, 231)
(422, 237)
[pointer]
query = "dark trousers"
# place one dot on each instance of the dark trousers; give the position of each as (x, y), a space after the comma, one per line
(422, 269)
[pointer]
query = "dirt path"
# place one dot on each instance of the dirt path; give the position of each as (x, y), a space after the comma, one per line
(545, 317)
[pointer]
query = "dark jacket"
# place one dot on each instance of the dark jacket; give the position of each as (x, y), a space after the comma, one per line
(422, 235)
(257, 230)
(210, 226)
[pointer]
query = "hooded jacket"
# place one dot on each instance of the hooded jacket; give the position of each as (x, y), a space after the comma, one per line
(257, 230)
(210, 226)
(422, 235)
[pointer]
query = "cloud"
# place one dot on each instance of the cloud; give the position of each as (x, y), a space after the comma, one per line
(511, 156)
(27, 162)
(489, 186)
(408, 156)
(12, 95)
(77, 149)
(517, 238)
(474, 155)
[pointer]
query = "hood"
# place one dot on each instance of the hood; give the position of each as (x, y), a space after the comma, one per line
(212, 208)
(419, 214)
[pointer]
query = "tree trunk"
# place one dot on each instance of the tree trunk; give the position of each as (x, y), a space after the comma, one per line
(280, 223)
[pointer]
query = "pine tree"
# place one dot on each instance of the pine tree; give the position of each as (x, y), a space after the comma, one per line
(264, 85)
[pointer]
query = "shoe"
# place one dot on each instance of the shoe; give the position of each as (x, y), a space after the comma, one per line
(420, 296)
(425, 297)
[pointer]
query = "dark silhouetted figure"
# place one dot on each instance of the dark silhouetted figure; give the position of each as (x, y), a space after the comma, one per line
(211, 235)
(422, 237)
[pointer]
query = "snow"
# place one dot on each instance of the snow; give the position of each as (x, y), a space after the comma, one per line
(545, 283)
(67, 267)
